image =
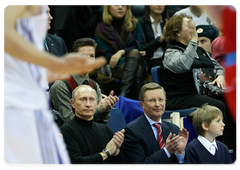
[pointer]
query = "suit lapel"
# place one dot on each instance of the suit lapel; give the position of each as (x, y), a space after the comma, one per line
(150, 31)
(49, 43)
(148, 133)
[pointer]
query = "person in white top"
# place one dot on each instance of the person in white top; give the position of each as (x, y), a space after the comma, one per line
(205, 149)
(199, 16)
(30, 134)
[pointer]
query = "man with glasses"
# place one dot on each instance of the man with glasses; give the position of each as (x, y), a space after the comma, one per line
(149, 139)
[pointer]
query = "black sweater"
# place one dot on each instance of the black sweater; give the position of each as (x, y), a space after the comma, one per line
(86, 139)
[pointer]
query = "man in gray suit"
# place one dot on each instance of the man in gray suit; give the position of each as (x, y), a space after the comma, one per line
(142, 138)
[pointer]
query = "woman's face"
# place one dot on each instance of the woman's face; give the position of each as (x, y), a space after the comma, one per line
(118, 11)
(156, 9)
(184, 36)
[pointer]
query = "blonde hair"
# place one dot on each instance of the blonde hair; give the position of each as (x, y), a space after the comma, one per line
(205, 113)
(130, 21)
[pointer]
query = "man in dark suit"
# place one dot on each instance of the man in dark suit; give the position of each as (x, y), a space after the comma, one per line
(142, 138)
(53, 43)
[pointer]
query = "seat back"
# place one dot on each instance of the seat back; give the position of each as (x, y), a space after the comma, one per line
(131, 108)
(117, 121)
(156, 77)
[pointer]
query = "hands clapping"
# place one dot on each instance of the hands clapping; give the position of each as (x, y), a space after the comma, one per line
(115, 143)
(107, 102)
(177, 144)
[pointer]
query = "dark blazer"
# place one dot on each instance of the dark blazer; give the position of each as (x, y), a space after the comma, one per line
(141, 146)
(152, 42)
(56, 45)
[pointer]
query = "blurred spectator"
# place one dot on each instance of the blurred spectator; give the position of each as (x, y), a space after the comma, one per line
(52, 43)
(206, 35)
(217, 49)
(225, 15)
(153, 23)
(199, 16)
(30, 135)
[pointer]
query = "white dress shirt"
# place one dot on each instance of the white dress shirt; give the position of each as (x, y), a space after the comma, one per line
(159, 52)
(210, 146)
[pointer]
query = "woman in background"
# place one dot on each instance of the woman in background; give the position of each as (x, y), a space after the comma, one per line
(153, 23)
(120, 39)
(182, 60)
(30, 133)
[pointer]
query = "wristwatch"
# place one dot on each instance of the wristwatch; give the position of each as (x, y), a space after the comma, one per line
(106, 151)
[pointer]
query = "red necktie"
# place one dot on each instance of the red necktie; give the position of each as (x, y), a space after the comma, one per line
(160, 136)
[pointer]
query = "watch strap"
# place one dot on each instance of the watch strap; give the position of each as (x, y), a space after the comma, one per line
(106, 151)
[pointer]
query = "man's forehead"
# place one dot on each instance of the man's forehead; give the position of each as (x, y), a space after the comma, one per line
(154, 91)
(86, 91)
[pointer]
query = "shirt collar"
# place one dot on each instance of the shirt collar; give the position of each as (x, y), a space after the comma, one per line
(206, 143)
(151, 122)
(152, 20)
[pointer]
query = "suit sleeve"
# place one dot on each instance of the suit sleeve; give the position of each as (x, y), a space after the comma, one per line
(134, 149)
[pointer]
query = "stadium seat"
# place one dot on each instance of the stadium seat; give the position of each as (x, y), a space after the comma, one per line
(117, 121)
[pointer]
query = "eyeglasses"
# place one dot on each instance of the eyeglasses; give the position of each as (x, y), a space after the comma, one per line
(155, 100)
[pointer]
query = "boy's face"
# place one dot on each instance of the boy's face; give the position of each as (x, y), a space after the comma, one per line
(216, 127)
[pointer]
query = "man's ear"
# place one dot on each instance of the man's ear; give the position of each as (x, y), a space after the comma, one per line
(205, 126)
(141, 104)
(72, 102)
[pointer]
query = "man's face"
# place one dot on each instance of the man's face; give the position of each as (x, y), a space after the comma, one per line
(88, 50)
(205, 43)
(49, 18)
(154, 104)
(85, 103)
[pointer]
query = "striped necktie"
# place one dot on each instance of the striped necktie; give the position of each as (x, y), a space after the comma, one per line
(159, 135)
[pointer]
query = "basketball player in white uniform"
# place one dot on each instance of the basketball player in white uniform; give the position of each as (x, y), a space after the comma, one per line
(30, 134)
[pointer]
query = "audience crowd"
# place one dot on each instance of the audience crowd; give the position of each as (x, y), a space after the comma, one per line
(134, 38)
(183, 40)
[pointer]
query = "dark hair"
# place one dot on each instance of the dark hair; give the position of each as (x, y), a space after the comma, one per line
(146, 14)
(83, 42)
(174, 26)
